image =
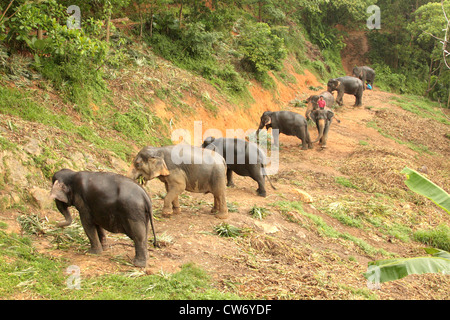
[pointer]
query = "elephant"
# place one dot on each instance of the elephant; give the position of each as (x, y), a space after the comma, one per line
(288, 123)
(183, 167)
(348, 85)
(366, 74)
(312, 102)
(105, 201)
(242, 157)
(323, 119)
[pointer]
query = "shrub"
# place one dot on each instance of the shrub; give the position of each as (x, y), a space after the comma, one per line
(262, 49)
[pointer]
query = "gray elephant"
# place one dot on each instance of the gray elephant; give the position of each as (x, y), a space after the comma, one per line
(347, 85)
(242, 157)
(366, 74)
(312, 102)
(288, 123)
(183, 167)
(105, 201)
(323, 119)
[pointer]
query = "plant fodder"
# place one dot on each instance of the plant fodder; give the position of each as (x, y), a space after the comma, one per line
(418, 129)
(374, 169)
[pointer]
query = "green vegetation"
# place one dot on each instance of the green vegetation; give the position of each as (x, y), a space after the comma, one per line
(25, 272)
(259, 212)
(324, 228)
(438, 237)
(228, 230)
(407, 53)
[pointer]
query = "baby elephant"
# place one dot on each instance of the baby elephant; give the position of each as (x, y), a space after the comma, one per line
(105, 201)
(242, 157)
(184, 167)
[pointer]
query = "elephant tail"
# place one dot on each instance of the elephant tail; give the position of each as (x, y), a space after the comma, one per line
(265, 175)
(149, 212)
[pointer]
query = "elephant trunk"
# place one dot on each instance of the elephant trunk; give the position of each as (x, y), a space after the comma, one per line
(321, 126)
(64, 209)
(261, 125)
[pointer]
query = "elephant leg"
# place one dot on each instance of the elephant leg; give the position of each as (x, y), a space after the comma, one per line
(171, 199)
(308, 139)
(323, 141)
(302, 136)
(339, 98)
(91, 231)
(176, 206)
(230, 182)
(358, 99)
(220, 205)
(138, 232)
(261, 186)
(102, 237)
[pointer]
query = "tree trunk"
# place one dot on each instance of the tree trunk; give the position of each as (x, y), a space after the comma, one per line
(180, 14)
(108, 29)
(151, 22)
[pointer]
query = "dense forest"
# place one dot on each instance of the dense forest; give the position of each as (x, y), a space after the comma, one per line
(227, 42)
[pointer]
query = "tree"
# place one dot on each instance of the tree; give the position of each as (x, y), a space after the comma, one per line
(431, 28)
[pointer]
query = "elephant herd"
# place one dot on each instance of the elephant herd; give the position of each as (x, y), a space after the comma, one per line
(115, 203)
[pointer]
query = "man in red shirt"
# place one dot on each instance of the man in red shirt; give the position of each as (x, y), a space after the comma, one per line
(321, 103)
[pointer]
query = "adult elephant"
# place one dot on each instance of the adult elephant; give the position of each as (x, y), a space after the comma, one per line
(312, 102)
(365, 73)
(183, 167)
(323, 119)
(346, 85)
(288, 123)
(105, 201)
(242, 157)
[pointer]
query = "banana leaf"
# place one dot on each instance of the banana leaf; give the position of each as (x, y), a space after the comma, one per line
(421, 185)
(393, 269)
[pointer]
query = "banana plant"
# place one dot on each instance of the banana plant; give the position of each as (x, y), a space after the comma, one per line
(393, 269)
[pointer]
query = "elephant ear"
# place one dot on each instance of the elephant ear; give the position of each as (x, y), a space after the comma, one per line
(330, 115)
(60, 192)
(208, 142)
(313, 114)
(160, 167)
(338, 83)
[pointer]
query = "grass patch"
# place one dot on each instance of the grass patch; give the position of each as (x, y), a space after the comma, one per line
(25, 273)
(421, 106)
(365, 214)
(326, 230)
(345, 182)
(137, 124)
(413, 146)
(438, 237)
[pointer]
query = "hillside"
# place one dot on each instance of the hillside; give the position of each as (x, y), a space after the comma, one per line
(361, 209)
